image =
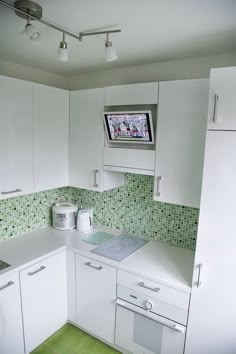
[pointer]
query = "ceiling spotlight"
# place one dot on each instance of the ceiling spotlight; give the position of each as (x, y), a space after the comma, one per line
(32, 32)
(110, 53)
(63, 54)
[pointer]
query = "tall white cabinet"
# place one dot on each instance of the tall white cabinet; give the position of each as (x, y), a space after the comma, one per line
(16, 137)
(87, 143)
(180, 141)
(212, 320)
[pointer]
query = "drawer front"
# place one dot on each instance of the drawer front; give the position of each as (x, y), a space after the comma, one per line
(154, 289)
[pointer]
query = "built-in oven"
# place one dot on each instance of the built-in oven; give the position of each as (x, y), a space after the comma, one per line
(146, 325)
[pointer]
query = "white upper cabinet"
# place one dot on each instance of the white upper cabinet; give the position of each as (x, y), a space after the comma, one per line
(180, 141)
(51, 132)
(222, 102)
(87, 142)
(136, 94)
(16, 137)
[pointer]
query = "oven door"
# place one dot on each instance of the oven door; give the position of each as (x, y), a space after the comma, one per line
(141, 332)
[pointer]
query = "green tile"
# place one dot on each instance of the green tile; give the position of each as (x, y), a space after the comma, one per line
(129, 208)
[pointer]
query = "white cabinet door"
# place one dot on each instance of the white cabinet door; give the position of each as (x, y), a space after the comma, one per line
(44, 299)
(135, 94)
(87, 142)
(51, 129)
(96, 293)
(180, 141)
(212, 320)
(11, 330)
(16, 137)
(222, 103)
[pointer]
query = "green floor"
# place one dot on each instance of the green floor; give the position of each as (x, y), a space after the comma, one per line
(71, 340)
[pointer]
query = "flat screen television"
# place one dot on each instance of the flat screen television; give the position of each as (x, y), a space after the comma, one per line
(129, 127)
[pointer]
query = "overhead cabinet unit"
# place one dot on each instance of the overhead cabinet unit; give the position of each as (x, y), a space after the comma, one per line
(135, 94)
(222, 103)
(33, 137)
(180, 141)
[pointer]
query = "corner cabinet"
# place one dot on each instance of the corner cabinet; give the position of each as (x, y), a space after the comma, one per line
(51, 130)
(180, 141)
(44, 299)
(87, 143)
(16, 137)
(96, 294)
(11, 330)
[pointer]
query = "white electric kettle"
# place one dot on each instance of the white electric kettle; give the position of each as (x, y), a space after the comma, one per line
(84, 220)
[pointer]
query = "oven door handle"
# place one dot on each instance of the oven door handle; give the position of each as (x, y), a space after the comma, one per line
(165, 322)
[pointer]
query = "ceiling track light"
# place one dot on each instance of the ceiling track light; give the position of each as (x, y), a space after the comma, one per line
(63, 54)
(30, 10)
(110, 53)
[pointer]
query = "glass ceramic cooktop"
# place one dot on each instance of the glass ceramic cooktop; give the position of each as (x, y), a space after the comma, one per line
(3, 265)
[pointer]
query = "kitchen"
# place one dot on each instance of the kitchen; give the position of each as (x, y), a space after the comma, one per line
(164, 296)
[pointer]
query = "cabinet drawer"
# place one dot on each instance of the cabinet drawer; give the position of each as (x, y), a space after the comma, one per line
(154, 289)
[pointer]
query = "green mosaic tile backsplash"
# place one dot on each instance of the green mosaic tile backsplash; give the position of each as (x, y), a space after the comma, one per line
(129, 208)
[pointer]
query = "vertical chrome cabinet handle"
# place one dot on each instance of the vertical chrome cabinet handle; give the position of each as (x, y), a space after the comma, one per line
(158, 178)
(10, 192)
(214, 117)
(95, 184)
(148, 287)
(199, 282)
(7, 285)
(92, 266)
(37, 271)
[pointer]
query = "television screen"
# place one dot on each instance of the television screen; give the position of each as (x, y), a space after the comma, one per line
(129, 127)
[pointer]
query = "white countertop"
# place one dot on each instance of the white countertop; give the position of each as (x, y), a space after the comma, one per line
(157, 261)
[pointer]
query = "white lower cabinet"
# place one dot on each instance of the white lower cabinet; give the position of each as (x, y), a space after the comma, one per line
(11, 330)
(96, 293)
(44, 299)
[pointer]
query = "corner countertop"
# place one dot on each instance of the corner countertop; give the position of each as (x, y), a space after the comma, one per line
(167, 264)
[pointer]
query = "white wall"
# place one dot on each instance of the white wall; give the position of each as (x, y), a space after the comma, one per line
(162, 71)
(28, 73)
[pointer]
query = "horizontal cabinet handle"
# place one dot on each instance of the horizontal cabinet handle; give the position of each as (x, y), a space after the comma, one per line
(92, 266)
(11, 192)
(142, 284)
(7, 285)
(37, 271)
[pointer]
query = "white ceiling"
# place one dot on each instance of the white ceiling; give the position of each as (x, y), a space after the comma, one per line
(152, 30)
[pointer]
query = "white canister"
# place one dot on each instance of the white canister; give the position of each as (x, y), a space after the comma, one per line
(64, 216)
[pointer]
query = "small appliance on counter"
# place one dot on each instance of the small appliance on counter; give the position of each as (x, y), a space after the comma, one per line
(84, 220)
(64, 216)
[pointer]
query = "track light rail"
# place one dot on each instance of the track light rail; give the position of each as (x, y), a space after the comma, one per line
(56, 27)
